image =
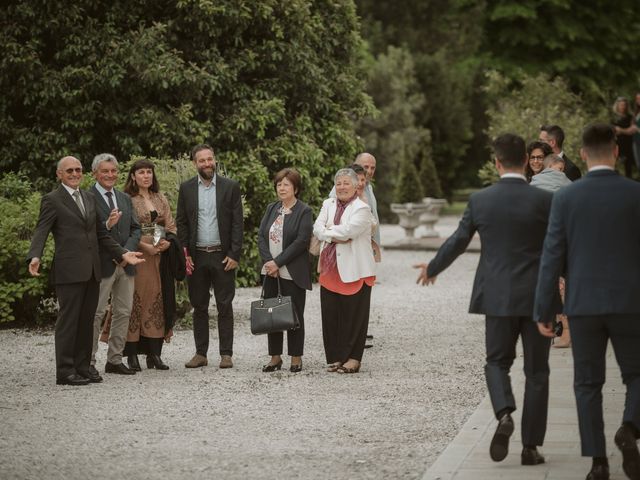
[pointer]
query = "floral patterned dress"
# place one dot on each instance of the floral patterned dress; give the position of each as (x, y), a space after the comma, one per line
(147, 314)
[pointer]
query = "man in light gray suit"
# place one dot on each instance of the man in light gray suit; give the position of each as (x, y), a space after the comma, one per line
(593, 240)
(114, 210)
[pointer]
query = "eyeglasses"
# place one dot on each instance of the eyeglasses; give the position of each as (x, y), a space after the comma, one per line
(71, 170)
(537, 157)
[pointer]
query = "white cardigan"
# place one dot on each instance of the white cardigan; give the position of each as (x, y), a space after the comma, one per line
(355, 259)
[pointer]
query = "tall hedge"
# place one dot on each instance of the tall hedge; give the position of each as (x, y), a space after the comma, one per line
(268, 83)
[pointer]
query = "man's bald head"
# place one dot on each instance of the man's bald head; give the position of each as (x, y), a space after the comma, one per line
(69, 171)
(368, 162)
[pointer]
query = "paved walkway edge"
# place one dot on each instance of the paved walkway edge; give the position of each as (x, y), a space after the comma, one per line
(467, 456)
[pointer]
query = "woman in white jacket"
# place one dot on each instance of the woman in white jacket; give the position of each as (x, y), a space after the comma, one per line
(347, 273)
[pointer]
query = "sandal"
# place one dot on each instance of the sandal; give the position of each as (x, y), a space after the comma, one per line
(333, 367)
(343, 369)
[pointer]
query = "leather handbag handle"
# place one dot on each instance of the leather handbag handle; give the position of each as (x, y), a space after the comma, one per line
(262, 292)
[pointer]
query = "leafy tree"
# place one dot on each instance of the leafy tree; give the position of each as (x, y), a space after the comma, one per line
(22, 297)
(409, 188)
(522, 107)
(590, 45)
(392, 135)
(269, 84)
(428, 175)
(443, 38)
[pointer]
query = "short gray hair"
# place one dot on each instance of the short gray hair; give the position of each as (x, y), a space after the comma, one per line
(102, 157)
(553, 159)
(346, 172)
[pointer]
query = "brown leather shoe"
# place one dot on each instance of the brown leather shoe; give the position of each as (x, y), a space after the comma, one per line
(225, 361)
(197, 361)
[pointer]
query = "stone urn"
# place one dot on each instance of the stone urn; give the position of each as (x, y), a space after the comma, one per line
(409, 215)
(431, 215)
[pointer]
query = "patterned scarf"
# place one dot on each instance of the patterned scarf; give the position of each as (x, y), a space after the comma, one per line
(328, 260)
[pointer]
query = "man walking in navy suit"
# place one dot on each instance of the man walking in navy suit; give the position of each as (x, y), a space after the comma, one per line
(511, 218)
(594, 241)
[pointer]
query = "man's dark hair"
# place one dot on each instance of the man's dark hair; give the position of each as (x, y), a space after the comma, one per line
(555, 132)
(198, 148)
(536, 144)
(510, 150)
(359, 169)
(599, 140)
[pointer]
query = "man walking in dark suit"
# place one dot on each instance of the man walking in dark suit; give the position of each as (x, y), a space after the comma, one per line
(594, 236)
(511, 218)
(209, 220)
(553, 136)
(115, 212)
(70, 214)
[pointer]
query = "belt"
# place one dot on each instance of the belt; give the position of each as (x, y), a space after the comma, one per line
(210, 248)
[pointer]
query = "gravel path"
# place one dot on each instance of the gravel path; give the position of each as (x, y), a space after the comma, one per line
(417, 386)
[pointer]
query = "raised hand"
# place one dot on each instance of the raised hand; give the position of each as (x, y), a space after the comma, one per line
(423, 279)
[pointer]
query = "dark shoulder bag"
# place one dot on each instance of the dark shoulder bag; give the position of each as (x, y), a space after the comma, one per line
(270, 315)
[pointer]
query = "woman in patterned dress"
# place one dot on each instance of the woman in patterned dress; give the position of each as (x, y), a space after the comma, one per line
(147, 323)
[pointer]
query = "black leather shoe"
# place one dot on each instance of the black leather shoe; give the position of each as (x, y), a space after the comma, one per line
(626, 441)
(500, 441)
(134, 364)
(272, 367)
(119, 368)
(93, 377)
(93, 370)
(598, 472)
(73, 379)
(296, 368)
(154, 361)
(531, 456)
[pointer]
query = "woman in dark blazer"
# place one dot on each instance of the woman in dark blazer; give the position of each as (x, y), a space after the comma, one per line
(283, 241)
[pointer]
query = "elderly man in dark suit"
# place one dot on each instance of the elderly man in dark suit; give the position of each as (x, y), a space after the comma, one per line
(209, 220)
(511, 218)
(115, 212)
(70, 214)
(594, 236)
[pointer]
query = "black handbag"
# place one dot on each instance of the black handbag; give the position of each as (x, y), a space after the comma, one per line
(270, 315)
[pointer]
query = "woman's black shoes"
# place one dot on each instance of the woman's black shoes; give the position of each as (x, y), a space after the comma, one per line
(272, 367)
(134, 364)
(296, 368)
(154, 361)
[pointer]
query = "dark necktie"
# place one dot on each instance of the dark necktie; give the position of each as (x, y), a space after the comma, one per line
(110, 200)
(76, 197)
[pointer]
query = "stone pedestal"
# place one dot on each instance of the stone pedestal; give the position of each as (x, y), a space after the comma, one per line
(431, 215)
(409, 215)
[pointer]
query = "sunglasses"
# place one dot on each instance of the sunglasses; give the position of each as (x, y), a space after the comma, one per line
(71, 170)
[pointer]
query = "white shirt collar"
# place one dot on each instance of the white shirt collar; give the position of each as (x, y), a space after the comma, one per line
(213, 180)
(514, 175)
(103, 190)
(600, 167)
(69, 189)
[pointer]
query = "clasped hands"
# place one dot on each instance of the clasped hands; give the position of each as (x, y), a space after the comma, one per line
(423, 279)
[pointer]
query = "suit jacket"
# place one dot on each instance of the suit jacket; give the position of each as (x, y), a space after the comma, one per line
(511, 218)
(594, 238)
(355, 259)
(296, 233)
(571, 170)
(126, 232)
(228, 210)
(76, 237)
